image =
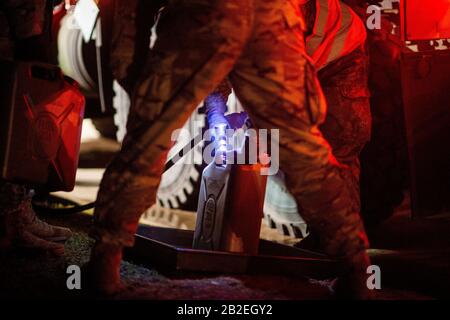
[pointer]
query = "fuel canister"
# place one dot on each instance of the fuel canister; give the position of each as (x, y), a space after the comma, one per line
(41, 115)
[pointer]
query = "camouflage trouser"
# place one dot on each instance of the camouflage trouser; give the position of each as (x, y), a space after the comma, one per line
(20, 19)
(6, 45)
(11, 199)
(8, 192)
(260, 45)
(347, 126)
(11, 195)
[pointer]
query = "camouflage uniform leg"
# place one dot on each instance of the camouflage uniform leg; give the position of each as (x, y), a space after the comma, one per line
(11, 198)
(278, 87)
(6, 45)
(198, 44)
(26, 18)
(131, 38)
(347, 126)
(11, 195)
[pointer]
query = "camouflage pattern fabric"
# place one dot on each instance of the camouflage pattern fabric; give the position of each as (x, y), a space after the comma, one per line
(131, 38)
(309, 12)
(26, 18)
(260, 45)
(11, 199)
(6, 45)
(348, 123)
(11, 196)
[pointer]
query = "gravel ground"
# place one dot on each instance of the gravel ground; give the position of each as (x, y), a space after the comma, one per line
(27, 275)
(31, 276)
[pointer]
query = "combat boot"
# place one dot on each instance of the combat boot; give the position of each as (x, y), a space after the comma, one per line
(35, 226)
(15, 236)
(28, 241)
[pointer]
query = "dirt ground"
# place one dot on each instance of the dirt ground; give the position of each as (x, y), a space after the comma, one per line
(41, 276)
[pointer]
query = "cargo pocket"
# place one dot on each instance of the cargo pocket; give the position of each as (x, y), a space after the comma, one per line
(354, 91)
(358, 113)
(354, 82)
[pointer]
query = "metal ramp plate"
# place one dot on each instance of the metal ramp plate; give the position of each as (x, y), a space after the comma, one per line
(170, 252)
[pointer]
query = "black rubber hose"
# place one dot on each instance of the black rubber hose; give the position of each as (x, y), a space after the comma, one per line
(74, 207)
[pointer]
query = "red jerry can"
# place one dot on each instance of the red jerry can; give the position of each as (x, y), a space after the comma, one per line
(242, 225)
(41, 115)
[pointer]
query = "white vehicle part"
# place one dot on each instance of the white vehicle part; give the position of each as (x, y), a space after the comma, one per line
(70, 53)
(280, 209)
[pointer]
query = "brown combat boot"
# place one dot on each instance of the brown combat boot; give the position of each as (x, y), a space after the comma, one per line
(19, 226)
(15, 236)
(38, 228)
(104, 269)
(27, 240)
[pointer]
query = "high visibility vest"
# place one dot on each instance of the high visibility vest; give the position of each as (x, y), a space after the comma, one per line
(337, 32)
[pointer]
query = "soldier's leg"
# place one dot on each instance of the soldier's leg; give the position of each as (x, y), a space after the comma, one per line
(278, 87)
(11, 196)
(197, 46)
(347, 125)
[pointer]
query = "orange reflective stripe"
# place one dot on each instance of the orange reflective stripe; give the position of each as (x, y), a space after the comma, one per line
(317, 36)
(356, 35)
(337, 31)
(341, 36)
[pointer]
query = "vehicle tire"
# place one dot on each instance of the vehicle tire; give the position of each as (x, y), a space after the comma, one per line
(180, 185)
(280, 209)
(75, 57)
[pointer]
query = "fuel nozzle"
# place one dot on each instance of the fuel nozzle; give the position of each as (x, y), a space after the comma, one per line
(221, 144)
